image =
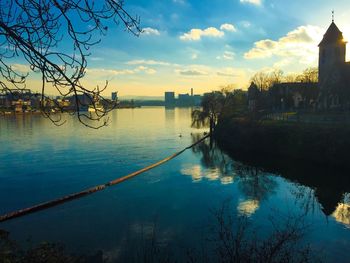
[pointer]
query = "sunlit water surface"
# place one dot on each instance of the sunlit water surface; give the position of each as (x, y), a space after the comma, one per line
(39, 162)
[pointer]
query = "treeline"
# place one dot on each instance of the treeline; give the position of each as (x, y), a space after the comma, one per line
(265, 80)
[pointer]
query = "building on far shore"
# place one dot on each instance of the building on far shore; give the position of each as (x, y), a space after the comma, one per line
(114, 96)
(183, 100)
(169, 98)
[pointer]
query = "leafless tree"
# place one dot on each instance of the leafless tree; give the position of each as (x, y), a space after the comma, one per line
(31, 30)
(265, 80)
(309, 75)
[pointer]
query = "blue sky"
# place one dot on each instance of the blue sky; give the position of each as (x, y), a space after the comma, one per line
(205, 45)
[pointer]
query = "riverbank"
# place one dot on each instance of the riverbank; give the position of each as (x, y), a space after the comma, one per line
(322, 144)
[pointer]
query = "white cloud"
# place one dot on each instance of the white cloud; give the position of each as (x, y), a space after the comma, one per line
(253, 2)
(182, 2)
(194, 56)
(245, 24)
(232, 72)
(227, 55)
(196, 34)
(101, 72)
(228, 27)
(150, 31)
(22, 68)
(191, 72)
(95, 58)
(300, 43)
(148, 62)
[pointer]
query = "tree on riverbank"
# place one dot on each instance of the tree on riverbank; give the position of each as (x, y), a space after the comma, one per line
(32, 31)
(217, 105)
(212, 106)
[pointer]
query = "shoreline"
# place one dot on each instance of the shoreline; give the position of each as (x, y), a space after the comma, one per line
(316, 144)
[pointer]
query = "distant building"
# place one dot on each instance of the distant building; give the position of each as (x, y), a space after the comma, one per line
(169, 98)
(18, 100)
(196, 99)
(115, 96)
(184, 100)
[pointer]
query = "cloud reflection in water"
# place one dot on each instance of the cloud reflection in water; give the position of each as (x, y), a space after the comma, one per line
(342, 212)
(198, 173)
(248, 207)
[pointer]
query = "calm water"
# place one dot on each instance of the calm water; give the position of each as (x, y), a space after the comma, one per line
(39, 162)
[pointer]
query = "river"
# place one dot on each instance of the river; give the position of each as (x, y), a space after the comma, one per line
(173, 203)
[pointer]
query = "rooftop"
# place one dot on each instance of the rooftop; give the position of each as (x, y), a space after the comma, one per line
(332, 36)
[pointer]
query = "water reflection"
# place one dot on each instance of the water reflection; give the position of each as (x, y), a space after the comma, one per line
(312, 189)
(198, 173)
(342, 212)
(248, 207)
(253, 182)
(42, 162)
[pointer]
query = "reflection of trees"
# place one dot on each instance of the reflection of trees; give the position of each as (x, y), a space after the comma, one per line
(306, 198)
(235, 240)
(254, 183)
(326, 184)
(212, 156)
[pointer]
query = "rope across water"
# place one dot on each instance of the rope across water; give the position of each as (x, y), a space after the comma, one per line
(91, 190)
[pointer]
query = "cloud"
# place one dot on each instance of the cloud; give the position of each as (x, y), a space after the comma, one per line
(228, 27)
(22, 68)
(150, 31)
(238, 74)
(191, 72)
(300, 43)
(148, 62)
(196, 34)
(194, 56)
(182, 2)
(245, 24)
(101, 72)
(228, 55)
(228, 72)
(253, 2)
(95, 58)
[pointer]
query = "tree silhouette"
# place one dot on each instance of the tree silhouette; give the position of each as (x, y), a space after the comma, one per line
(32, 30)
(212, 106)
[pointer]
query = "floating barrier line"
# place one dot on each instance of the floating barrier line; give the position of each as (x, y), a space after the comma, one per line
(91, 190)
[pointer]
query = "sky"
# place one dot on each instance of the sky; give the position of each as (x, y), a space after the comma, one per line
(206, 45)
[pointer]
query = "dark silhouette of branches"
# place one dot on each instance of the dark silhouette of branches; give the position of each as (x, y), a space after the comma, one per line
(33, 29)
(235, 240)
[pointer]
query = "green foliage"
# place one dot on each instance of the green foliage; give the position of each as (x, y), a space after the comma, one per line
(217, 105)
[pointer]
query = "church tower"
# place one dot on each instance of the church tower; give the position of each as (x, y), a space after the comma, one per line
(332, 51)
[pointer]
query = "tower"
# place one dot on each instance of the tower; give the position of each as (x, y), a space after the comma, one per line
(332, 50)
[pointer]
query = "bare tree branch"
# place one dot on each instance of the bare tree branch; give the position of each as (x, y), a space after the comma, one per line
(33, 29)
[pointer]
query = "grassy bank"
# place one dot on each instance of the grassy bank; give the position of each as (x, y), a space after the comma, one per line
(313, 143)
